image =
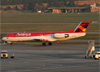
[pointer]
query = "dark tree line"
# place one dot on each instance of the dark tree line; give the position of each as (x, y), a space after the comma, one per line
(38, 4)
(50, 2)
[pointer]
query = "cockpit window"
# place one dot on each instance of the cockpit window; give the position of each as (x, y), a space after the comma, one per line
(6, 36)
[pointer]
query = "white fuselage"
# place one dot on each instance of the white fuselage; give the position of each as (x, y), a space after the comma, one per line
(45, 37)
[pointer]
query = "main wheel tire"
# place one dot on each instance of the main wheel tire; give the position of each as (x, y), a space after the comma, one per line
(50, 43)
(95, 58)
(85, 57)
(43, 44)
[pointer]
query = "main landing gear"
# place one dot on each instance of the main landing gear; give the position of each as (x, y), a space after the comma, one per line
(44, 44)
(49, 43)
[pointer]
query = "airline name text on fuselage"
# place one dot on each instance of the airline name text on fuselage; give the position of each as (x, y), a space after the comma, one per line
(23, 34)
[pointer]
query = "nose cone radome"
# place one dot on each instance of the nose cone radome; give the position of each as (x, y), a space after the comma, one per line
(4, 38)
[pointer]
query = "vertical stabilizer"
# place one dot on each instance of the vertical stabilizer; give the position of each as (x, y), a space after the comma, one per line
(82, 26)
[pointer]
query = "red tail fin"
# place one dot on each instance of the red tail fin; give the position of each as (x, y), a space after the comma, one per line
(82, 26)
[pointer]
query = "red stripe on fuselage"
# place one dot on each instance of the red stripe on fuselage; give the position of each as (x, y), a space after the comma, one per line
(28, 34)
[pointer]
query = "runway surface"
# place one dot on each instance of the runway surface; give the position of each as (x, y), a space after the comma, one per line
(56, 58)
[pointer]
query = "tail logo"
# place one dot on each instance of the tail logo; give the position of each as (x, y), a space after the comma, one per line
(82, 26)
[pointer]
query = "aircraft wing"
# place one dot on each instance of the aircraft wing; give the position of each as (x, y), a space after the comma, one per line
(45, 38)
(52, 37)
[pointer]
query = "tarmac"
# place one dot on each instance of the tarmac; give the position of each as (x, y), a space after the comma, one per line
(55, 58)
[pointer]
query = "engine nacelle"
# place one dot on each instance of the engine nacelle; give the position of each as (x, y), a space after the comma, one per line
(59, 35)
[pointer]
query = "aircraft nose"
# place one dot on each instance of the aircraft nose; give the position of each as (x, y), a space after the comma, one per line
(4, 39)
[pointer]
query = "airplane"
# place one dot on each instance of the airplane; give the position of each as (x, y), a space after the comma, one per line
(48, 37)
